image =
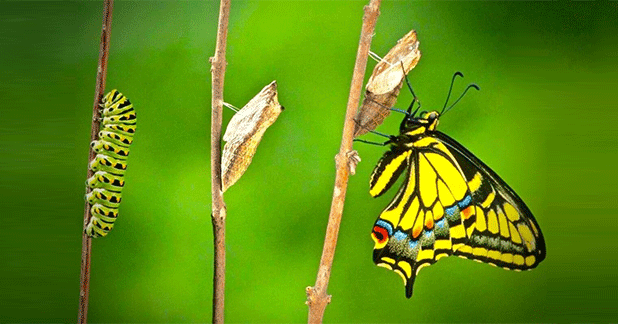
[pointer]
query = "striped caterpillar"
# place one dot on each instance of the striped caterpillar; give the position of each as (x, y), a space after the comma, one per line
(118, 124)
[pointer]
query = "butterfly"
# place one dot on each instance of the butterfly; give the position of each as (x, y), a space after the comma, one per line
(450, 203)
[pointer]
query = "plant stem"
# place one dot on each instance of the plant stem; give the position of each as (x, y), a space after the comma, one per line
(317, 297)
(84, 291)
(218, 204)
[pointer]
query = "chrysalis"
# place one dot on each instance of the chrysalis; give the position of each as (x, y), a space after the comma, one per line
(244, 132)
(385, 82)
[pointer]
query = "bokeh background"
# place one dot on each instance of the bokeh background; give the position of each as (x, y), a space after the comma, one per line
(546, 120)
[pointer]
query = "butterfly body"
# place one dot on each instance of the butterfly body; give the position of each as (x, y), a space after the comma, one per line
(450, 203)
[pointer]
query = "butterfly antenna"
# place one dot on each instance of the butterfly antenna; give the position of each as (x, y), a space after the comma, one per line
(456, 101)
(400, 111)
(450, 89)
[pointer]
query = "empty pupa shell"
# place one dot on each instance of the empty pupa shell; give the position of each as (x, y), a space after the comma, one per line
(385, 82)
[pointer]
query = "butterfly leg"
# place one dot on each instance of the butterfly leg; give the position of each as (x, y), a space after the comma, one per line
(370, 142)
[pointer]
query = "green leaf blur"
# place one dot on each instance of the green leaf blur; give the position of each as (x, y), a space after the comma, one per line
(546, 120)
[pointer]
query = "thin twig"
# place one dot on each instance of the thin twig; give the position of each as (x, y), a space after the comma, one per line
(218, 205)
(317, 297)
(84, 292)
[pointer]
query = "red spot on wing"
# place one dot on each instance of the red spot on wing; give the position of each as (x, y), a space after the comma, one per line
(380, 234)
(428, 222)
(468, 212)
(417, 231)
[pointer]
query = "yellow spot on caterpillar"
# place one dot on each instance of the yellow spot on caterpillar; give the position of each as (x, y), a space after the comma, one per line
(511, 212)
(405, 266)
(492, 222)
(518, 259)
(424, 255)
(488, 200)
(514, 234)
(388, 173)
(481, 222)
(475, 183)
(458, 231)
(410, 216)
(530, 260)
(504, 227)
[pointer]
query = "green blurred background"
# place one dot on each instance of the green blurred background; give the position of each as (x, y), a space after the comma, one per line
(546, 120)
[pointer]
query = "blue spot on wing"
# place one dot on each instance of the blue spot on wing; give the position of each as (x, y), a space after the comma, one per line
(399, 235)
(440, 223)
(386, 225)
(465, 202)
(412, 244)
(451, 210)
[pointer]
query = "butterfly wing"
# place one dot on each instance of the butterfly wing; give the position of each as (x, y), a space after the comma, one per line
(450, 203)
(504, 233)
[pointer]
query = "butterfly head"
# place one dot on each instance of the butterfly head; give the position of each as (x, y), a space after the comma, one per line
(415, 126)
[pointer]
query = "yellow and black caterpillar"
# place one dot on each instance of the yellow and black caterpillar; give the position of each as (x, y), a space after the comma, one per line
(118, 124)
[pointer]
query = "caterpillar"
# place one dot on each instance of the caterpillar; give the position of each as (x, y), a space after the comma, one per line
(118, 125)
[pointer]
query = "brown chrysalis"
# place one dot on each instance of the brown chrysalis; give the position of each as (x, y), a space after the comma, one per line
(244, 132)
(385, 82)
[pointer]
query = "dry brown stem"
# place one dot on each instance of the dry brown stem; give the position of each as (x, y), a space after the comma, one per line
(82, 316)
(218, 204)
(317, 296)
